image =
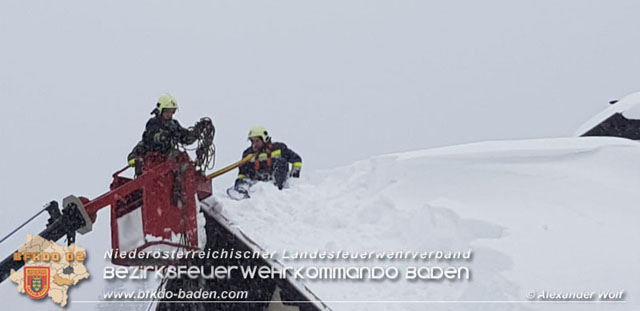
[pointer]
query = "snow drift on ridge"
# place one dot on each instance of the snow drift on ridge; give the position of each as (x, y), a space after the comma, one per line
(548, 214)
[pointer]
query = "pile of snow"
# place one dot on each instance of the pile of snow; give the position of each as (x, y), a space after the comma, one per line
(549, 214)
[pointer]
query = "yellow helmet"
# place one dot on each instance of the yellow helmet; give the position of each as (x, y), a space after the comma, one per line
(259, 131)
(166, 101)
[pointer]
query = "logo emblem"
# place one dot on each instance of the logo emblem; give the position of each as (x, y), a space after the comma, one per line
(36, 283)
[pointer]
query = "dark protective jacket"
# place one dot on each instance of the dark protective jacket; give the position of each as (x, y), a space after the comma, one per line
(272, 162)
(162, 135)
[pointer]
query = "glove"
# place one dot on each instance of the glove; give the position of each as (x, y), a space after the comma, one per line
(192, 136)
(242, 186)
(132, 162)
(295, 172)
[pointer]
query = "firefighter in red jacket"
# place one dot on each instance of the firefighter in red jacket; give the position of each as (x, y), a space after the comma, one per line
(271, 163)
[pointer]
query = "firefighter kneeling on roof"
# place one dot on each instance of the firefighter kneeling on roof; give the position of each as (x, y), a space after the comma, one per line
(271, 163)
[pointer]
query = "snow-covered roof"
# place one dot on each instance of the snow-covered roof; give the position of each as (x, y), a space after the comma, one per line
(629, 106)
(537, 214)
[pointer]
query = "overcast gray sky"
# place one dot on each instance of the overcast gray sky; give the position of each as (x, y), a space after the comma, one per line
(336, 80)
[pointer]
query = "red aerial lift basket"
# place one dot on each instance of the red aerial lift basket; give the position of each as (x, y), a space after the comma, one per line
(155, 213)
